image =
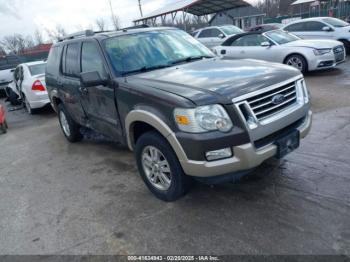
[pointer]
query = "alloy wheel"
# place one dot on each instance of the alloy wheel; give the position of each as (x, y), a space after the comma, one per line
(156, 168)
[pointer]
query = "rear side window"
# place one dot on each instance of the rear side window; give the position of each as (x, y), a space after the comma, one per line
(71, 66)
(53, 61)
(210, 33)
(299, 27)
(91, 59)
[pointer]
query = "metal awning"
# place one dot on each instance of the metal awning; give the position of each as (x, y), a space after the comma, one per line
(298, 2)
(195, 7)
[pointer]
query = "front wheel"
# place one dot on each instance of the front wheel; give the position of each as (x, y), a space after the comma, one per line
(298, 62)
(160, 168)
(70, 128)
(347, 46)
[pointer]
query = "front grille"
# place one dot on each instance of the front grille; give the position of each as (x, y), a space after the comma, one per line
(339, 53)
(264, 105)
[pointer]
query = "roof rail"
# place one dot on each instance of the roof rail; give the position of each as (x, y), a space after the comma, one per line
(135, 27)
(84, 33)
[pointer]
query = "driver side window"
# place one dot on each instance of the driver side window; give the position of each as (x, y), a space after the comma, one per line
(91, 59)
(250, 40)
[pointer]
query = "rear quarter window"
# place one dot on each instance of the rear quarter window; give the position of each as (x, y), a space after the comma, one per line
(71, 65)
(53, 61)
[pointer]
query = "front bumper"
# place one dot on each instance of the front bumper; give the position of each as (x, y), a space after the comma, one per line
(245, 157)
(326, 61)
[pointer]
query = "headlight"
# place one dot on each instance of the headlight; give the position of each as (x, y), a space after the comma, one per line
(303, 92)
(319, 52)
(203, 119)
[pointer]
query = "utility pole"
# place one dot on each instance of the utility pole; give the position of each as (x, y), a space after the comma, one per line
(140, 6)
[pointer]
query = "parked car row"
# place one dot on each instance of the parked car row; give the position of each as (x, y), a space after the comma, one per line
(308, 44)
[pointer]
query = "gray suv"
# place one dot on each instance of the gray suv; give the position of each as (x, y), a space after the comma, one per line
(184, 112)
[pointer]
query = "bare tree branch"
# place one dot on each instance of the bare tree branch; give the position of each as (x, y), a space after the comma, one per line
(56, 34)
(38, 37)
(100, 23)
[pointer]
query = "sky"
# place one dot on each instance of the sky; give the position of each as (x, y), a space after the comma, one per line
(25, 16)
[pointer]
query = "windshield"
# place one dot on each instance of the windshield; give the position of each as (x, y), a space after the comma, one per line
(281, 37)
(152, 50)
(38, 69)
(335, 22)
(231, 30)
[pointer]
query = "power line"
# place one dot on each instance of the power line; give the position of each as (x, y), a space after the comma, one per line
(140, 6)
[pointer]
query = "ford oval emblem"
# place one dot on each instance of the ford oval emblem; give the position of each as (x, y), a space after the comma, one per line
(278, 99)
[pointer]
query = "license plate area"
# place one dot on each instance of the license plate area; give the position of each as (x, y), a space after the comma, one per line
(287, 144)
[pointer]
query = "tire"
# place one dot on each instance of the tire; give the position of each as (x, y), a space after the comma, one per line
(298, 62)
(346, 45)
(3, 127)
(70, 128)
(12, 97)
(179, 184)
(27, 106)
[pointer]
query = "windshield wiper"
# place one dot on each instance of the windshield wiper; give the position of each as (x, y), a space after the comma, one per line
(190, 59)
(145, 69)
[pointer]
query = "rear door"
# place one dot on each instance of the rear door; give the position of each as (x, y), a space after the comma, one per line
(69, 83)
(99, 101)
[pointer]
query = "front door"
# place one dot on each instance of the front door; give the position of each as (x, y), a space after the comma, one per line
(99, 101)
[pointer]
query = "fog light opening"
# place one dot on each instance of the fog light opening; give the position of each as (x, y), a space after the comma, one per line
(218, 154)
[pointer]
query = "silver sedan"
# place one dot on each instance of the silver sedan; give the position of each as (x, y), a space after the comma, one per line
(282, 47)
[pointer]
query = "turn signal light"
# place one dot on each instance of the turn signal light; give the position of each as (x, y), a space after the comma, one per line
(182, 120)
(38, 86)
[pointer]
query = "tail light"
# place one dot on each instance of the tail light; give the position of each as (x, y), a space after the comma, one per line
(38, 86)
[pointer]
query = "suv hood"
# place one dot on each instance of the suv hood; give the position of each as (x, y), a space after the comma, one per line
(215, 80)
(318, 44)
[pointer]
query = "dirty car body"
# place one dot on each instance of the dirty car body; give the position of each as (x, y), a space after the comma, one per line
(168, 97)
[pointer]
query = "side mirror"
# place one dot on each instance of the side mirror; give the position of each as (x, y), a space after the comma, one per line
(222, 36)
(265, 44)
(327, 29)
(90, 79)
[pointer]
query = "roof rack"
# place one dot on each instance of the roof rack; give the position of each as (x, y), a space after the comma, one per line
(78, 35)
(135, 27)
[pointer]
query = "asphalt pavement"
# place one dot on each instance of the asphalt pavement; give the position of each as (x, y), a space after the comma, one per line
(88, 198)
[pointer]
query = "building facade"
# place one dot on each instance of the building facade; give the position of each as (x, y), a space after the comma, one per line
(243, 17)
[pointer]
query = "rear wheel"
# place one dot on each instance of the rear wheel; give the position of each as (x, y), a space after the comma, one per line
(160, 168)
(70, 128)
(298, 62)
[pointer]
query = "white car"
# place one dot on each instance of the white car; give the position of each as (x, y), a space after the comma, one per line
(29, 85)
(321, 28)
(7, 66)
(282, 47)
(216, 35)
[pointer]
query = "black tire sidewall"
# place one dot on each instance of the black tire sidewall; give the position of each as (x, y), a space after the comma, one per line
(75, 135)
(305, 65)
(180, 182)
(347, 46)
(3, 128)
